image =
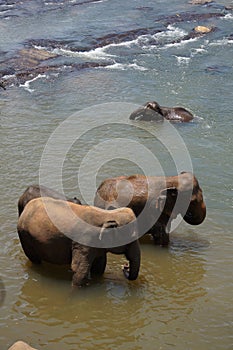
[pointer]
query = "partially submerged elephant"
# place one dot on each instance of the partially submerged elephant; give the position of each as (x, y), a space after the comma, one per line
(153, 200)
(152, 111)
(62, 232)
(36, 191)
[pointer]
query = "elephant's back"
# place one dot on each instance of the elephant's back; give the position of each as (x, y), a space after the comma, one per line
(106, 193)
(41, 238)
(40, 215)
(146, 114)
(30, 193)
(96, 217)
(177, 114)
(128, 191)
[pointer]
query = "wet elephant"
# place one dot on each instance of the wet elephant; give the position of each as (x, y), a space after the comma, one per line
(152, 111)
(50, 230)
(155, 201)
(36, 191)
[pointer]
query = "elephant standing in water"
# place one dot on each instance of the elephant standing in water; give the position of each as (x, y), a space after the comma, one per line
(36, 191)
(153, 200)
(152, 111)
(62, 232)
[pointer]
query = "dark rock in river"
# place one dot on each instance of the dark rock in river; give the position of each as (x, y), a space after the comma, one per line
(200, 2)
(28, 63)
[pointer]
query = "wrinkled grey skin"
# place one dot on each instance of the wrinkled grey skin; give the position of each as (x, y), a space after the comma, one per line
(36, 191)
(154, 209)
(152, 111)
(42, 240)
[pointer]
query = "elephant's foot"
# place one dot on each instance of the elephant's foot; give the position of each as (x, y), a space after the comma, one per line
(78, 281)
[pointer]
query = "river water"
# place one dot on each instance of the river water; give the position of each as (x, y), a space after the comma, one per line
(101, 59)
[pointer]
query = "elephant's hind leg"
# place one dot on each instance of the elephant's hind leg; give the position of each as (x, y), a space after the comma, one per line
(29, 246)
(159, 234)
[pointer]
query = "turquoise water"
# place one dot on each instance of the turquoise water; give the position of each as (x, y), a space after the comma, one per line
(105, 65)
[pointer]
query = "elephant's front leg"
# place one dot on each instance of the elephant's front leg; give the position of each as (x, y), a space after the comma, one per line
(81, 264)
(159, 234)
(99, 265)
(133, 254)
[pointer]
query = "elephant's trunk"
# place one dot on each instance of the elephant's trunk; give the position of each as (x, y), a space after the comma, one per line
(110, 224)
(133, 254)
(196, 213)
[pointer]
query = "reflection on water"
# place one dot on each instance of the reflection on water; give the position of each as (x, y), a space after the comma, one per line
(2, 292)
(112, 310)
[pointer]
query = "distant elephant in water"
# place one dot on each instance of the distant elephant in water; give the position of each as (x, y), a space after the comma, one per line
(50, 230)
(36, 191)
(152, 111)
(153, 200)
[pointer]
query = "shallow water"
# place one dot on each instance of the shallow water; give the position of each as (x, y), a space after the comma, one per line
(183, 296)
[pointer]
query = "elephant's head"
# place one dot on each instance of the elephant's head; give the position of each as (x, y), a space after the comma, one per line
(108, 225)
(196, 212)
(183, 196)
(120, 234)
(154, 106)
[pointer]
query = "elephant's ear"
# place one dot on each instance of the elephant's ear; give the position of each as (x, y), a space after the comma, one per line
(166, 194)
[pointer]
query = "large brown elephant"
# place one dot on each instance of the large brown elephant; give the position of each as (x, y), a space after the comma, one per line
(155, 201)
(36, 191)
(152, 111)
(62, 232)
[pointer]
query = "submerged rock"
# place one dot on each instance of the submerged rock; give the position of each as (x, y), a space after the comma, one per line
(28, 63)
(203, 29)
(39, 56)
(200, 2)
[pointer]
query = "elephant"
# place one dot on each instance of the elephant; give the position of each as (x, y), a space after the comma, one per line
(61, 232)
(153, 200)
(36, 191)
(152, 111)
